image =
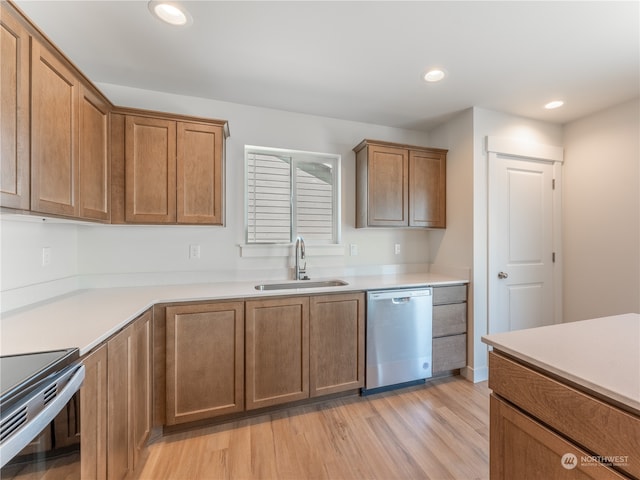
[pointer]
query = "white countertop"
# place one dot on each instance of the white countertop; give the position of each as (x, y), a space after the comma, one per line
(602, 355)
(86, 318)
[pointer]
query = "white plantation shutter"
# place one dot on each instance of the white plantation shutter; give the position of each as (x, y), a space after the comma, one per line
(269, 199)
(290, 195)
(314, 206)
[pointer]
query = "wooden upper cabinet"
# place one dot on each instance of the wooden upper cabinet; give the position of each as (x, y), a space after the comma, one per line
(166, 170)
(387, 186)
(199, 173)
(150, 170)
(400, 185)
(94, 171)
(14, 112)
(55, 128)
(54, 133)
(427, 188)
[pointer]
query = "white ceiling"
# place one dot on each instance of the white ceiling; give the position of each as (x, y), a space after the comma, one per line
(363, 60)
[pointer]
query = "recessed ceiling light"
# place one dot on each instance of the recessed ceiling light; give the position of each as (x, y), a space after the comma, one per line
(434, 75)
(170, 12)
(554, 104)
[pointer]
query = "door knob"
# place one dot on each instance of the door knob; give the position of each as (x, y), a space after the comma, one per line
(503, 275)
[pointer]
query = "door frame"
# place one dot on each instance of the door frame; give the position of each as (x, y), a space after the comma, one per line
(518, 149)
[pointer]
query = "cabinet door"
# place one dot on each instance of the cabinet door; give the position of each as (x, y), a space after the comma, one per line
(277, 357)
(336, 361)
(427, 189)
(524, 449)
(141, 385)
(54, 137)
(388, 186)
(93, 412)
(199, 173)
(94, 172)
(150, 165)
(14, 111)
(120, 453)
(204, 361)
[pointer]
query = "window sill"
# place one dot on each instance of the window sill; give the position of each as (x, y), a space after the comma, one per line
(286, 250)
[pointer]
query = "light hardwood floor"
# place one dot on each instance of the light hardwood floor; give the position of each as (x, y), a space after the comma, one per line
(437, 431)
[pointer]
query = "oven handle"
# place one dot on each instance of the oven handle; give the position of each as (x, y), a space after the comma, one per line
(11, 446)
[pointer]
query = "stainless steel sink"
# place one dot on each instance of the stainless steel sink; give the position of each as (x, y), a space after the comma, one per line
(301, 284)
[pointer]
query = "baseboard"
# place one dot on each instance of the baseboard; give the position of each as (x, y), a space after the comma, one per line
(475, 375)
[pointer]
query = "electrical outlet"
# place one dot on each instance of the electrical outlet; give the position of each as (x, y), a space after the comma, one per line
(397, 248)
(194, 251)
(46, 256)
(353, 249)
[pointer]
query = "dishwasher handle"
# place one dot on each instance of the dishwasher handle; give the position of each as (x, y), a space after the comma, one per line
(400, 300)
(398, 296)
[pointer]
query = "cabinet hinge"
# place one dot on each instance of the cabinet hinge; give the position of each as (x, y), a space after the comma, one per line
(553, 257)
(553, 184)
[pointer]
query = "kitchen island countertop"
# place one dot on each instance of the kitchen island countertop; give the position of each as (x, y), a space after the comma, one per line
(86, 318)
(601, 355)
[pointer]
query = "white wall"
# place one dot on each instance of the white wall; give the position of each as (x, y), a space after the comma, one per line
(105, 255)
(453, 247)
(602, 213)
(23, 278)
(466, 237)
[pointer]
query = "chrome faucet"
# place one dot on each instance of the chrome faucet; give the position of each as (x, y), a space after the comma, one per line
(301, 272)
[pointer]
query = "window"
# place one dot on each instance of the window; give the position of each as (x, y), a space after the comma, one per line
(291, 193)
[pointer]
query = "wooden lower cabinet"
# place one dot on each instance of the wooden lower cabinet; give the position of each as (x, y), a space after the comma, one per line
(142, 385)
(93, 416)
(119, 386)
(204, 361)
(337, 340)
(128, 396)
(543, 427)
(449, 328)
(449, 353)
(525, 449)
(230, 356)
(277, 351)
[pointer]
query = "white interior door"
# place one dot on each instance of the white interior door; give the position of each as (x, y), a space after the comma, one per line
(521, 241)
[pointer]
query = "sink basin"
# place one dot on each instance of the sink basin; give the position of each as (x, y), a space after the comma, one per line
(301, 284)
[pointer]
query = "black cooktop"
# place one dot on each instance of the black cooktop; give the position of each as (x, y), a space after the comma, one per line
(20, 374)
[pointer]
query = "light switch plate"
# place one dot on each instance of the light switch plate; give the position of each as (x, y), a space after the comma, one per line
(46, 256)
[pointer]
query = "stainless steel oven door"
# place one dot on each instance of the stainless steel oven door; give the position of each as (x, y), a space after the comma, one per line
(40, 437)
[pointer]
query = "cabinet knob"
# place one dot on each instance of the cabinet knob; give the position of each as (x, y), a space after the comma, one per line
(503, 275)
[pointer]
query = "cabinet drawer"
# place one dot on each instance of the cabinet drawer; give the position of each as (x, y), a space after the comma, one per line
(451, 294)
(449, 319)
(449, 353)
(599, 427)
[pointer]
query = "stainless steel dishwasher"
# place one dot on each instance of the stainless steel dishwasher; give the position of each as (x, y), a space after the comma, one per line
(399, 334)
